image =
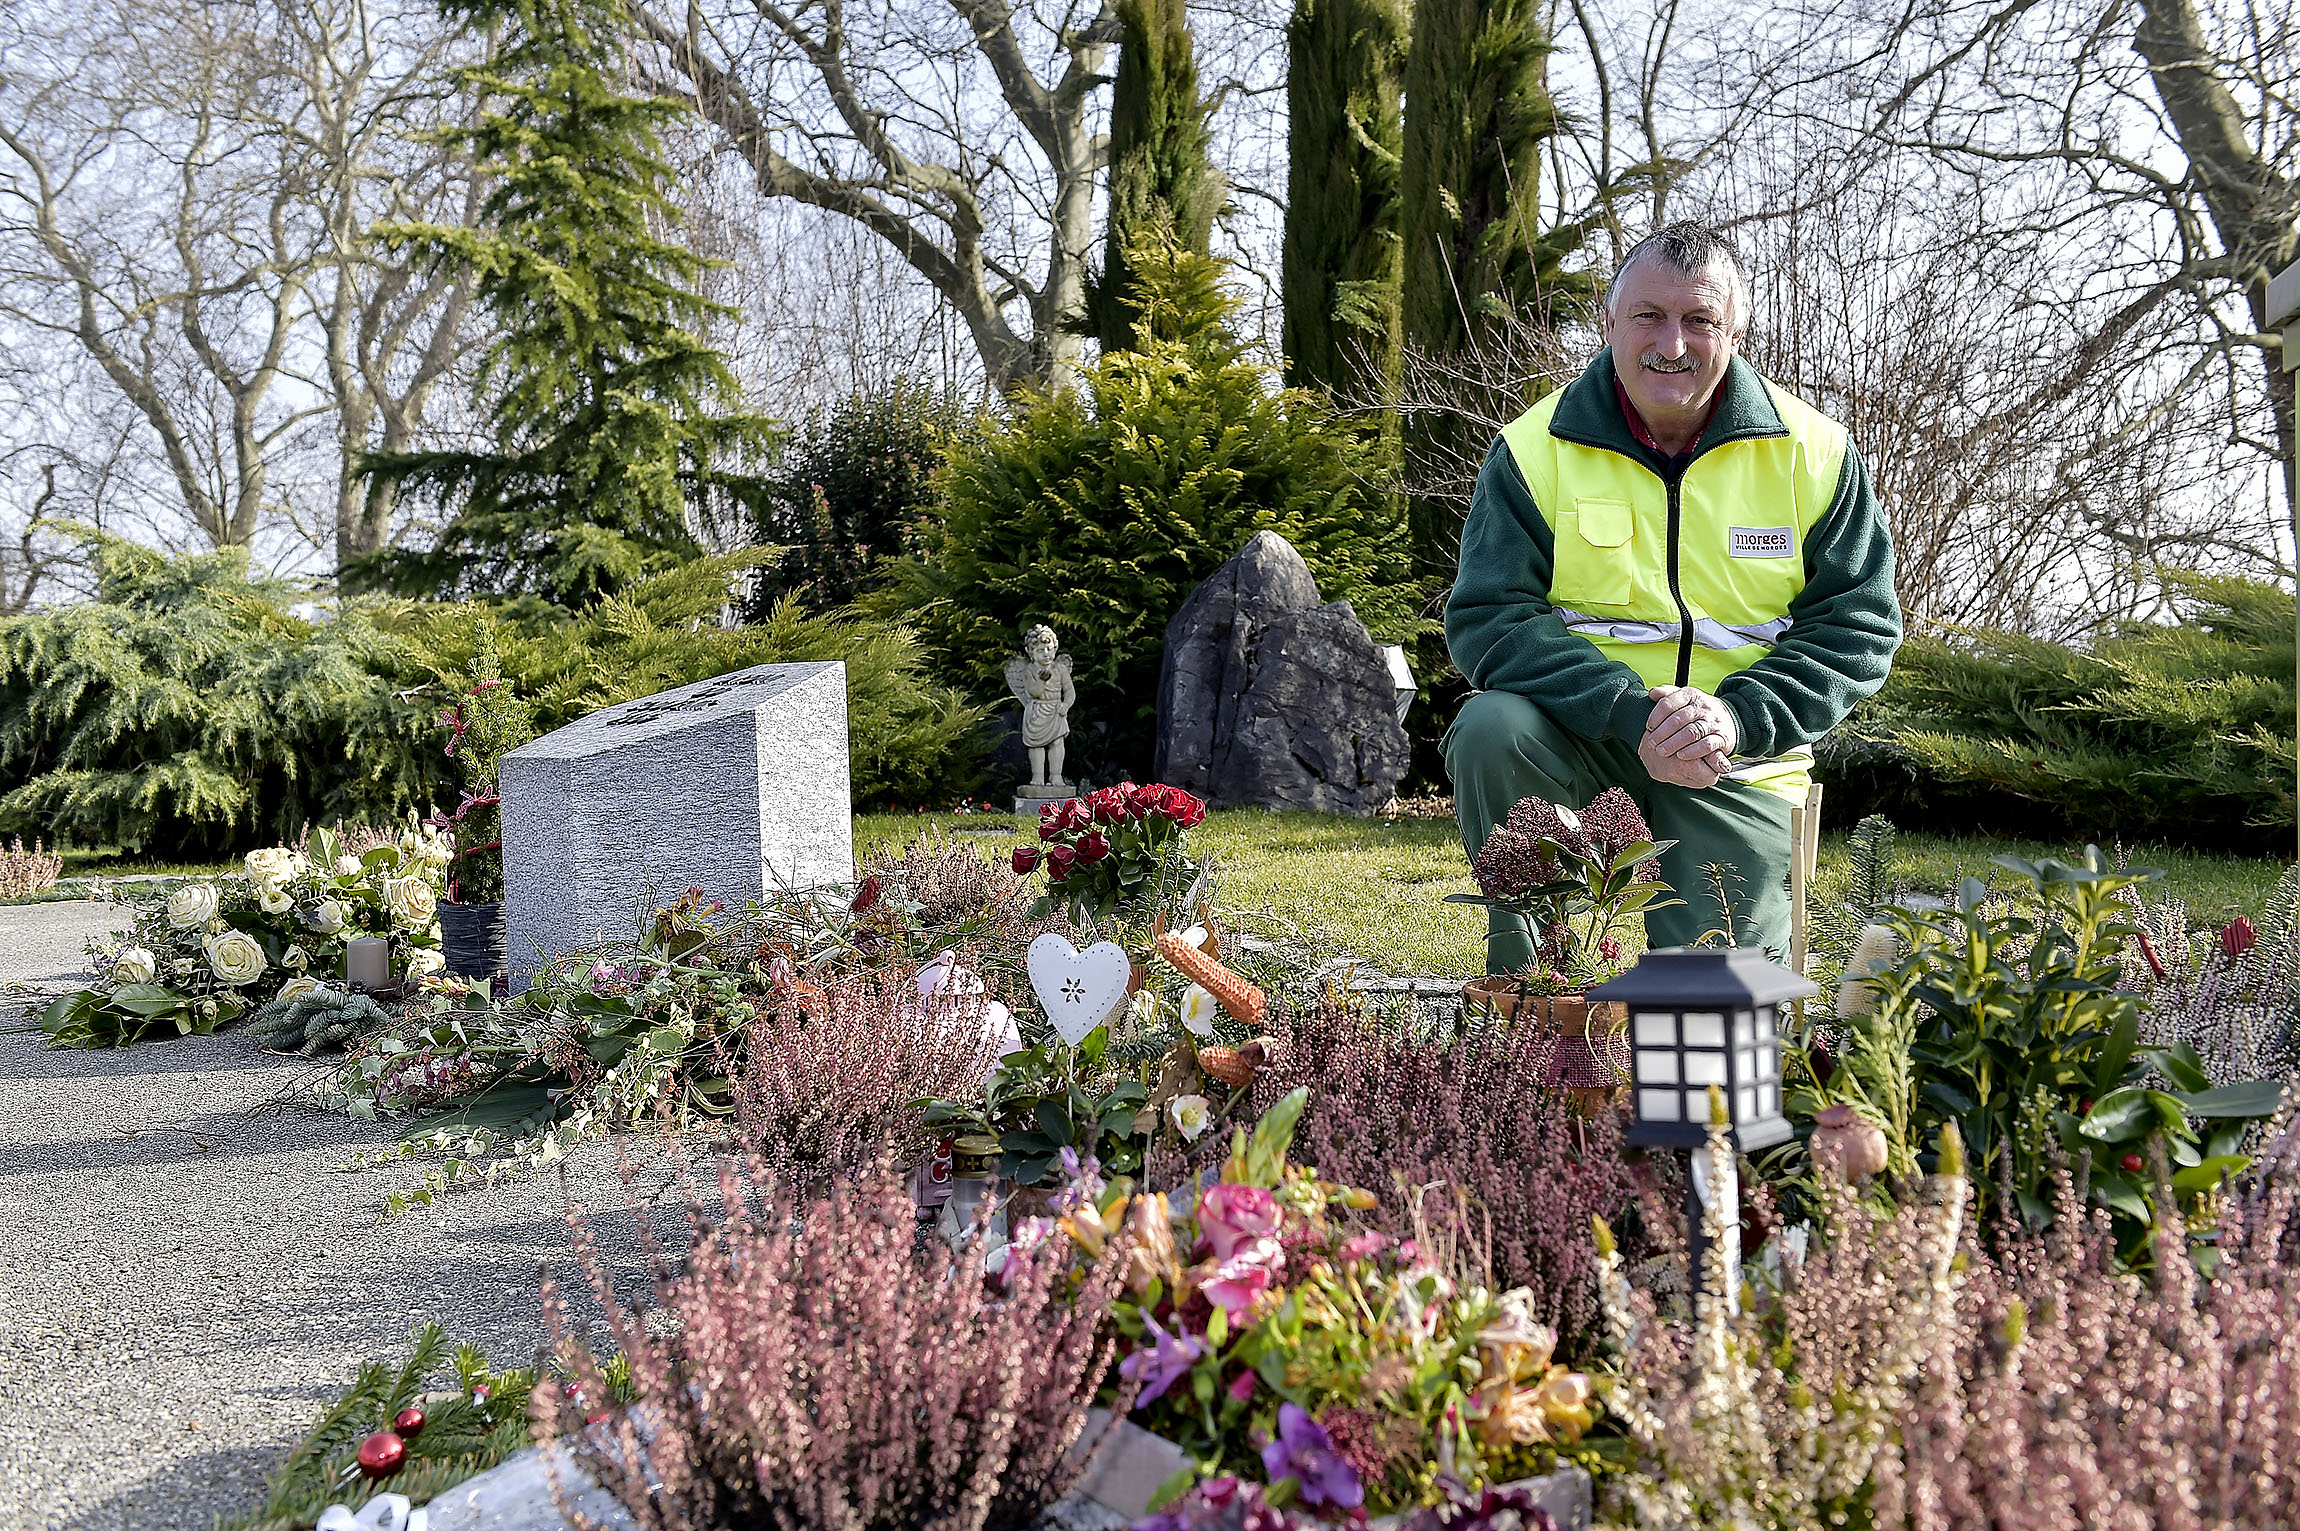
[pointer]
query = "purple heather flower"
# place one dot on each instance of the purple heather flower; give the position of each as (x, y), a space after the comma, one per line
(1165, 1362)
(1304, 1452)
(1082, 1181)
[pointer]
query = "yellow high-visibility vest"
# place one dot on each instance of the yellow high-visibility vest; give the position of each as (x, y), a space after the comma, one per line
(1685, 583)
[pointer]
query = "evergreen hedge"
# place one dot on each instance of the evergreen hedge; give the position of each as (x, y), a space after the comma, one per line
(190, 711)
(1097, 511)
(2178, 731)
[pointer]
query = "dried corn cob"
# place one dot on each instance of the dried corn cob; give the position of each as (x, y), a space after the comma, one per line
(1245, 1003)
(1224, 1064)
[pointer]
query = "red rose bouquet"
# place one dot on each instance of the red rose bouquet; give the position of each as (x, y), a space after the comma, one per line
(1111, 847)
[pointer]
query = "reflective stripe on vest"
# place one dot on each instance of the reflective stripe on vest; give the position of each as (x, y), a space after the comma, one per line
(1745, 508)
(1707, 632)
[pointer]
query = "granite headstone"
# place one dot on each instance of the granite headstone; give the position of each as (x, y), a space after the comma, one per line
(734, 785)
(1269, 698)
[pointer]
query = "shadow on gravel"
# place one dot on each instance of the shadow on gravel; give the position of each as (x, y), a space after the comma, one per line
(26, 1055)
(212, 1135)
(187, 1494)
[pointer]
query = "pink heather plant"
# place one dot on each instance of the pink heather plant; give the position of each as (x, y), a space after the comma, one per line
(815, 1367)
(2073, 1397)
(1479, 1113)
(832, 1074)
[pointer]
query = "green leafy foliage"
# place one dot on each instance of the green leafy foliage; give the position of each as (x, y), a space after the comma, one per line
(1046, 1098)
(1163, 184)
(614, 420)
(1343, 259)
(1478, 117)
(909, 740)
(465, 1431)
(187, 711)
(2018, 1032)
(486, 723)
(854, 485)
(1097, 511)
(2179, 730)
(130, 1013)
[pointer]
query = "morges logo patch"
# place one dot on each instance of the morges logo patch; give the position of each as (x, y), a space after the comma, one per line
(1764, 541)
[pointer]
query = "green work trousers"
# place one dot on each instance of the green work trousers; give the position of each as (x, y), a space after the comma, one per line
(1502, 748)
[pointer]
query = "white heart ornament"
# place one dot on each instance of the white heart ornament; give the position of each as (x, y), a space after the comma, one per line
(1078, 990)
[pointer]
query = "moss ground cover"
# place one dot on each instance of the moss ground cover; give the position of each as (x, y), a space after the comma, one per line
(1377, 889)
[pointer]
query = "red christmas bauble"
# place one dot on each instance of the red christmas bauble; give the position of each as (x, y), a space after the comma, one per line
(382, 1454)
(409, 1421)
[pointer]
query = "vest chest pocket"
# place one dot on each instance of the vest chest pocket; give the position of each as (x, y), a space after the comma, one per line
(1596, 554)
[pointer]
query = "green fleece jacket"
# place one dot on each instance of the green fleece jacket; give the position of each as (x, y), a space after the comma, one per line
(1845, 627)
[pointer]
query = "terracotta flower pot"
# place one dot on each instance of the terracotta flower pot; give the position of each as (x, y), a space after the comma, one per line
(1592, 1062)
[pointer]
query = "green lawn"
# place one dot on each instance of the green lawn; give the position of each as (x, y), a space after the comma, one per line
(1376, 889)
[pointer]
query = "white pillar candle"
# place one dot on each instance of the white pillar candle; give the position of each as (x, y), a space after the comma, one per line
(367, 962)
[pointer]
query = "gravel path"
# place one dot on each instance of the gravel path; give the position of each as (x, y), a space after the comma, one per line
(187, 1273)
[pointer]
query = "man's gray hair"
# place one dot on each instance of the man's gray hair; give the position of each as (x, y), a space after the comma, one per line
(1689, 249)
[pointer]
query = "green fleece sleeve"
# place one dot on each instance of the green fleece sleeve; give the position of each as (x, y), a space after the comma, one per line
(1844, 628)
(1501, 630)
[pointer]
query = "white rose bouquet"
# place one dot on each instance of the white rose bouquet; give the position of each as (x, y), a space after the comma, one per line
(215, 949)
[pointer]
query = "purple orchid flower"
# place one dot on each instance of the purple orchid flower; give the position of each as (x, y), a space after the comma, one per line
(1166, 1362)
(1304, 1452)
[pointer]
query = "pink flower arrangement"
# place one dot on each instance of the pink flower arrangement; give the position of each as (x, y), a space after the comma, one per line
(1229, 1215)
(1290, 1286)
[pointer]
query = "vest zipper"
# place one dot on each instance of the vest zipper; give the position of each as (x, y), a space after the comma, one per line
(1684, 613)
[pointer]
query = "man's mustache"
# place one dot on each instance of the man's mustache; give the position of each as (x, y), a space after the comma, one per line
(1653, 361)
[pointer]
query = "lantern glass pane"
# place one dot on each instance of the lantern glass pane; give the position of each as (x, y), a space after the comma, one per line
(1656, 1028)
(1744, 1028)
(1657, 1065)
(1658, 1106)
(1768, 1061)
(1745, 1065)
(1704, 1029)
(1704, 1068)
(1745, 1104)
(1769, 1099)
(1765, 1018)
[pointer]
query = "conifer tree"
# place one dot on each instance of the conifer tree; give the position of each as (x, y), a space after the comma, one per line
(1478, 112)
(1162, 177)
(617, 428)
(1342, 264)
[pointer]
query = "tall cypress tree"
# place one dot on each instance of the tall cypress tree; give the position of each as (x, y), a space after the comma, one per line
(617, 428)
(1344, 141)
(1162, 176)
(1478, 111)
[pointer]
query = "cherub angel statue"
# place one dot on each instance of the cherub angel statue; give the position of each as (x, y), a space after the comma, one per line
(1039, 677)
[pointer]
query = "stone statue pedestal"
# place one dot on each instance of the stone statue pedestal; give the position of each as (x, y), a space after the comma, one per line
(1029, 799)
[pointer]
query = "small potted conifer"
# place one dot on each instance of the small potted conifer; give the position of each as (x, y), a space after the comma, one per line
(486, 722)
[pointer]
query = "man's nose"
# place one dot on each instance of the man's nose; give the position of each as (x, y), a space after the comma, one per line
(1670, 340)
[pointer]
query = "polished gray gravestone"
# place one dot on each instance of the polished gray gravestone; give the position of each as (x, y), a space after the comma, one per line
(735, 785)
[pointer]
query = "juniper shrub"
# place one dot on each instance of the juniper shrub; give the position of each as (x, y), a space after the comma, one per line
(815, 1365)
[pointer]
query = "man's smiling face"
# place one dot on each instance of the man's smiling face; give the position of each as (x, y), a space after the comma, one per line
(1672, 335)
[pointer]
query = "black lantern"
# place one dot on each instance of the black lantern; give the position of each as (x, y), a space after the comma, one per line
(1700, 1017)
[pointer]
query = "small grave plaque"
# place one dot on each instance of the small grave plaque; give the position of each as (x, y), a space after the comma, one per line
(733, 785)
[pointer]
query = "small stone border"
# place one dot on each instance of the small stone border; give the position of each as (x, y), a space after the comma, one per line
(522, 1494)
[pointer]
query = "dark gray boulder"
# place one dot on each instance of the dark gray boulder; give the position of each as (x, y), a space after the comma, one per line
(1269, 698)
